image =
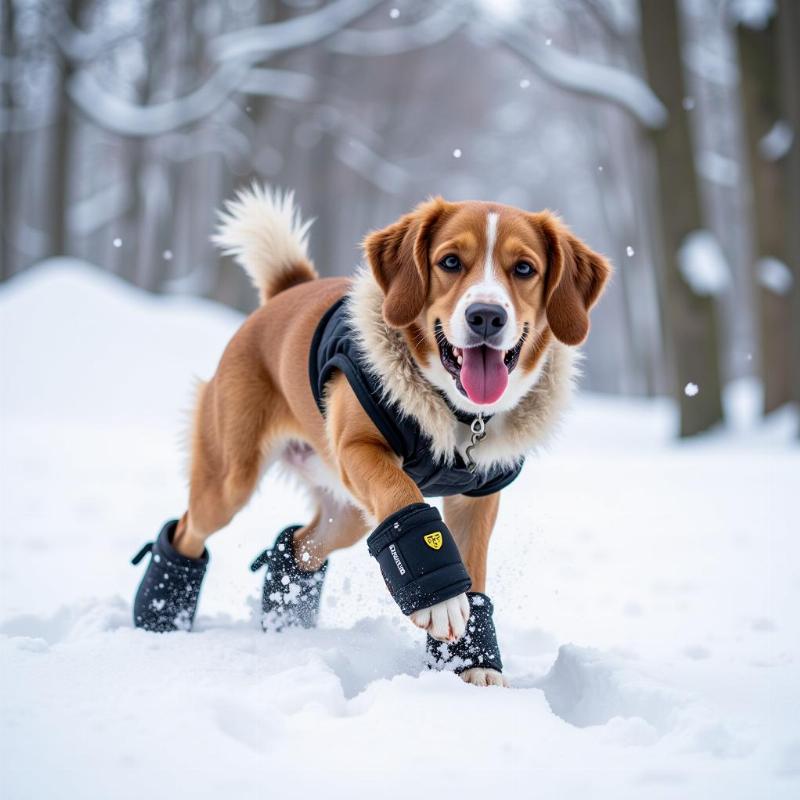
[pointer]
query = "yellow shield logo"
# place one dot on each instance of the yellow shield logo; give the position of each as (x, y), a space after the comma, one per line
(433, 540)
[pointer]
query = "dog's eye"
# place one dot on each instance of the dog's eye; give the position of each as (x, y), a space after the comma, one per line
(450, 263)
(524, 270)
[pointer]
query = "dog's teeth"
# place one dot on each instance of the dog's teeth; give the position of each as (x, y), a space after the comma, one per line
(460, 359)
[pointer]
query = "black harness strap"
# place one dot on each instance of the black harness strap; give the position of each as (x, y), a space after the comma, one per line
(334, 348)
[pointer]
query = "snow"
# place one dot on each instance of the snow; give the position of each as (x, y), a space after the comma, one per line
(703, 264)
(718, 168)
(751, 13)
(777, 141)
(645, 594)
(774, 275)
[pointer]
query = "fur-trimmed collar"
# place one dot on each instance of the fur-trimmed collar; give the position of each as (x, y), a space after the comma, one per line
(510, 435)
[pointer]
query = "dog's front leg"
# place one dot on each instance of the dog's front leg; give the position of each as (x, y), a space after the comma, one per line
(373, 475)
(472, 520)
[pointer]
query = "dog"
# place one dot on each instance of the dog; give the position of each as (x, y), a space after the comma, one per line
(460, 329)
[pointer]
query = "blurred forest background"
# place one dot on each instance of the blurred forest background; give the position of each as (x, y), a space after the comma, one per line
(663, 131)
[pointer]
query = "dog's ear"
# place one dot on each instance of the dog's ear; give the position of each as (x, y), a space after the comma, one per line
(574, 281)
(398, 257)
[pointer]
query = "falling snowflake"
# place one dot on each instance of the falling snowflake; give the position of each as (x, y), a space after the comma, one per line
(600, 168)
(117, 242)
(629, 250)
(167, 255)
(548, 42)
(691, 389)
(457, 153)
(688, 103)
(524, 83)
(394, 13)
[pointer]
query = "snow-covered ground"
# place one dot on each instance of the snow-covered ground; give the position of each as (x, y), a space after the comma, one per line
(646, 595)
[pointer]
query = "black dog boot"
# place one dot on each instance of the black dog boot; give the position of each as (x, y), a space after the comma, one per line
(476, 648)
(167, 596)
(291, 596)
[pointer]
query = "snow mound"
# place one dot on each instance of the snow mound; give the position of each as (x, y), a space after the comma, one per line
(111, 352)
(585, 687)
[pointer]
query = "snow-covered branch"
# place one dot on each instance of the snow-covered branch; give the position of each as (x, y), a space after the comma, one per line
(278, 83)
(86, 216)
(357, 155)
(127, 119)
(583, 77)
(436, 27)
(255, 44)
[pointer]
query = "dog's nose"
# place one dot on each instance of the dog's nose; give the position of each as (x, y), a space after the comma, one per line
(486, 319)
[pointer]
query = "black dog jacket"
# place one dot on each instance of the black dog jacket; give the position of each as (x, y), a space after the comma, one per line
(334, 347)
(476, 648)
(291, 596)
(168, 594)
(418, 558)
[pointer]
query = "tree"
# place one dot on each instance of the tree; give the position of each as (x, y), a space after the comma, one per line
(789, 16)
(767, 137)
(689, 310)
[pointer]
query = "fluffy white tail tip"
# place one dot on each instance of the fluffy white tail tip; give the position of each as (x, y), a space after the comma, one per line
(263, 230)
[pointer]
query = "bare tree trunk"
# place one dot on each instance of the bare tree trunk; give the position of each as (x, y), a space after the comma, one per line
(7, 254)
(789, 27)
(148, 209)
(690, 319)
(760, 86)
(62, 149)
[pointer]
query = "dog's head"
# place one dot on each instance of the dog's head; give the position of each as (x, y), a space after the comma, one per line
(479, 289)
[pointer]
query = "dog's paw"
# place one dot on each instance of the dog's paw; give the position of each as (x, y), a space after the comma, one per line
(445, 621)
(480, 676)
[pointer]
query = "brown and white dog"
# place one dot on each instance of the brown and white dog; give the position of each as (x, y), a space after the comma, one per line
(413, 306)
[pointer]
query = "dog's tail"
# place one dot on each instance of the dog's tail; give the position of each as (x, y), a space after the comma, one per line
(263, 231)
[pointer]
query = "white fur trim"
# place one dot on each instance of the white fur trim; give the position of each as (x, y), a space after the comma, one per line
(262, 229)
(510, 435)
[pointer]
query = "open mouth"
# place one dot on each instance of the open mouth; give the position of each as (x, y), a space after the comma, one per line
(480, 373)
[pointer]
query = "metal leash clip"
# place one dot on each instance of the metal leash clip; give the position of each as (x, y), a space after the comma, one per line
(478, 428)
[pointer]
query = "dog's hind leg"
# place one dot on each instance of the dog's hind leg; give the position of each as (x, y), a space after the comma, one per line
(297, 562)
(236, 419)
(229, 445)
(335, 525)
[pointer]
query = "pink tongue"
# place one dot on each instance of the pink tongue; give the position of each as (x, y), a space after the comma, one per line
(484, 376)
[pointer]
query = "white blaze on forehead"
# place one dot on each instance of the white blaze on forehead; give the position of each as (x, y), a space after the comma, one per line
(491, 240)
(489, 289)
